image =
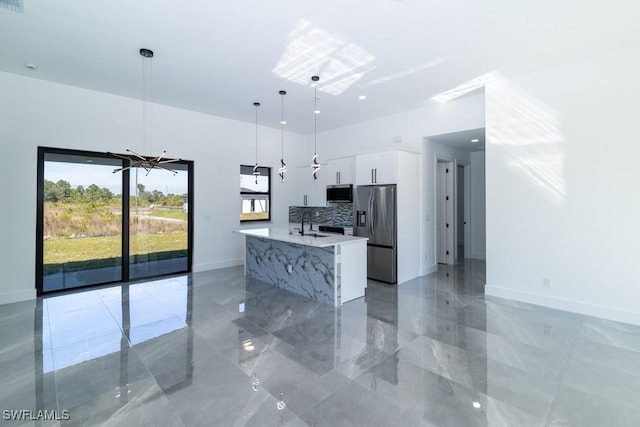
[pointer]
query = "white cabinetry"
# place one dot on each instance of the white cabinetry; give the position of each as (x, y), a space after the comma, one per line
(340, 171)
(312, 192)
(377, 168)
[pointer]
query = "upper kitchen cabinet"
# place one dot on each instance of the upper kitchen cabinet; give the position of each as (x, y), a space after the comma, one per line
(377, 168)
(340, 171)
(312, 192)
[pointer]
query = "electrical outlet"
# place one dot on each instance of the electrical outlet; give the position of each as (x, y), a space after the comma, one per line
(317, 214)
(289, 268)
(546, 282)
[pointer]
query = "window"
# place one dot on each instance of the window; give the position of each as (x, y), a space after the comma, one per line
(255, 195)
(96, 226)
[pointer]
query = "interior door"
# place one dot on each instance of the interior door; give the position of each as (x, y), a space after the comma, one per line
(445, 211)
(467, 211)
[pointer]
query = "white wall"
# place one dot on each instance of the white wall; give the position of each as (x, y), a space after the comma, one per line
(38, 113)
(562, 186)
(478, 218)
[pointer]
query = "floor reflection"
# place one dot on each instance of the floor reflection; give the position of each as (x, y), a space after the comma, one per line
(88, 339)
(215, 348)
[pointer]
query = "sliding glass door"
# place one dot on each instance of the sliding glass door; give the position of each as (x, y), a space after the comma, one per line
(82, 221)
(158, 221)
(90, 219)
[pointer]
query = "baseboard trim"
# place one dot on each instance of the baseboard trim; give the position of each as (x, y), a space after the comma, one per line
(579, 307)
(217, 265)
(17, 296)
(428, 269)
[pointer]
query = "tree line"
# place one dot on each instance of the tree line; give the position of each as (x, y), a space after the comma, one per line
(61, 191)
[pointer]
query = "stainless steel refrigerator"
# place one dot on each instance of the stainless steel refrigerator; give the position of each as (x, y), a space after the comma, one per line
(375, 218)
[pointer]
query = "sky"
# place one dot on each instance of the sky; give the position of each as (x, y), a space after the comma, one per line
(103, 176)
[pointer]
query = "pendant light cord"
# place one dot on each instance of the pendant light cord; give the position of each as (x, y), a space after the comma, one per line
(283, 166)
(147, 79)
(256, 173)
(145, 113)
(315, 118)
(315, 166)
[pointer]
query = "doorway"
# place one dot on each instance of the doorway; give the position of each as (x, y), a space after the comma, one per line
(464, 152)
(95, 226)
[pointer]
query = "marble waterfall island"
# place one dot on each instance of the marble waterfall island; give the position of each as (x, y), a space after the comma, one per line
(330, 268)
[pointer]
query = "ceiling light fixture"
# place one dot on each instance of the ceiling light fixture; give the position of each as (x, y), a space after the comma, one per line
(283, 165)
(362, 97)
(137, 160)
(474, 140)
(315, 166)
(256, 173)
(281, 403)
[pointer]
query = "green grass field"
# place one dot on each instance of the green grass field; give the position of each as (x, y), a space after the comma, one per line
(254, 216)
(94, 252)
(173, 214)
(84, 236)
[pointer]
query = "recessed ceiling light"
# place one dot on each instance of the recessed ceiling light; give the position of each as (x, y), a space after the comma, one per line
(30, 66)
(316, 111)
(362, 97)
(475, 140)
(283, 122)
(477, 405)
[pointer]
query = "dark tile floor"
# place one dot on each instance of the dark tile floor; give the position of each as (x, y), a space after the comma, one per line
(214, 349)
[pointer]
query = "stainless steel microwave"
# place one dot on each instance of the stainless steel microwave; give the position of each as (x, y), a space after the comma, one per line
(340, 193)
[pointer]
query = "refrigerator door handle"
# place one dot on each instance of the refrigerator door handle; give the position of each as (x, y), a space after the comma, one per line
(369, 214)
(372, 213)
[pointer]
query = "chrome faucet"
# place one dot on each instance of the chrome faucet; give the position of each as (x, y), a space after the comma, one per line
(310, 222)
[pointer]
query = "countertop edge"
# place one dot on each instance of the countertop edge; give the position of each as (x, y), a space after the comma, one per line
(283, 235)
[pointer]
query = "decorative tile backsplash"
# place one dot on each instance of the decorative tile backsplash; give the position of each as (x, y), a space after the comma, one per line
(340, 215)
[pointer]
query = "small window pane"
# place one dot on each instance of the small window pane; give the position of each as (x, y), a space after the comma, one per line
(255, 194)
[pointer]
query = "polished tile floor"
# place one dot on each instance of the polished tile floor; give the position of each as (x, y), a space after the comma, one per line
(214, 349)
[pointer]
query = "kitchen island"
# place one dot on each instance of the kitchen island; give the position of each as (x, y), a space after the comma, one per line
(330, 268)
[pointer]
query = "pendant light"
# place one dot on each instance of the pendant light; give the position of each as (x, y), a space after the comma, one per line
(283, 165)
(256, 173)
(136, 160)
(315, 166)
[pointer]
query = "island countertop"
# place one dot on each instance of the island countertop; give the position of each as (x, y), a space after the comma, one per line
(283, 235)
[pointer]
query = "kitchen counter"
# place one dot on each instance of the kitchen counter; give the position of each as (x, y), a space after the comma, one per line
(283, 235)
(330, 269)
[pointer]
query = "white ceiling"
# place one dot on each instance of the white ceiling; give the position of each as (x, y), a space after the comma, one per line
(219, 57)
(462, 140)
